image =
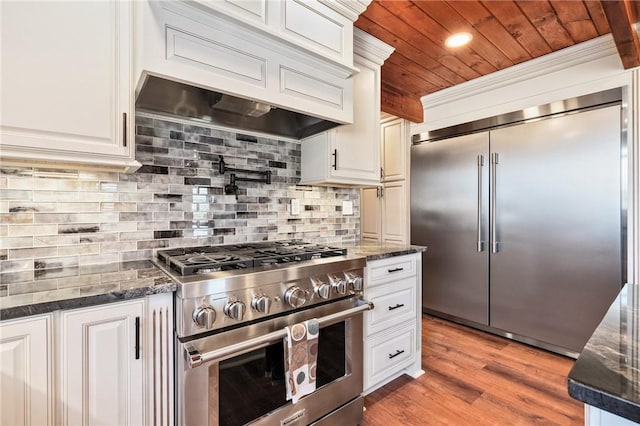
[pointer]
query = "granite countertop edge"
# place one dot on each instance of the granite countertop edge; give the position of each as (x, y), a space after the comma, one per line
(81, 302)
(375, 251)
(602, 376)
(604, 400)
(370, 251)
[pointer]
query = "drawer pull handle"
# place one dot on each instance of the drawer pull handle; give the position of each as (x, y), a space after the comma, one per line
(398, 305)
(395, 270)
(398, 352)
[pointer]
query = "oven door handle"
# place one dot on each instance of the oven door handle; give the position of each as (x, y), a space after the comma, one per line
(195, 358)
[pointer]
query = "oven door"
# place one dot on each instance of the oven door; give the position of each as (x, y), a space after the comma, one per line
(237, 377)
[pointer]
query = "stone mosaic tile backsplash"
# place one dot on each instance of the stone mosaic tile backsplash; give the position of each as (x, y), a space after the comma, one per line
(62, 223)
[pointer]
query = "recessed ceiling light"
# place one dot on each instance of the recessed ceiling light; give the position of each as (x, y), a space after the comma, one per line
(458, 39)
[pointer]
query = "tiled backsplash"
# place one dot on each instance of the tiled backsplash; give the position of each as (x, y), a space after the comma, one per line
(56, 223)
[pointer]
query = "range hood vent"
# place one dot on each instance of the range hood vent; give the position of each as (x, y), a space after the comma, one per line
(167, 97)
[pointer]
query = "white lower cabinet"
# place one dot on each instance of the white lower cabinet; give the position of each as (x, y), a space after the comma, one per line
(108, 364)
(384, 213)
(26, 376)
(392, 330)
(101, 365)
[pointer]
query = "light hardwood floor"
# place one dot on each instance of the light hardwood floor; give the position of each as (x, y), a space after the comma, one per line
(475, 378)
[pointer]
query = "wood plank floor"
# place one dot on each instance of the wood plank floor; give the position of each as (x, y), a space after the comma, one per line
(475, 378)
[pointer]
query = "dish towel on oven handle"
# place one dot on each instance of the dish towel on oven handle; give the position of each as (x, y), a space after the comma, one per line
(300, 357)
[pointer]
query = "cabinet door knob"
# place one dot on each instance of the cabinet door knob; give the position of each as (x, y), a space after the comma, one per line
(335, 159)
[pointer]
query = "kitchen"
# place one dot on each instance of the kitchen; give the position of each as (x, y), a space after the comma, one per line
(70, 222)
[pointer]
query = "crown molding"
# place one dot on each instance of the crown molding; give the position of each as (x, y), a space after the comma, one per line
(578, 54)
(369, 47)
(350, 9)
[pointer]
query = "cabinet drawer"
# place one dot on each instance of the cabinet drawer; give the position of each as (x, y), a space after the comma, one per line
(381, 271)
(394, 303)
(389, 353)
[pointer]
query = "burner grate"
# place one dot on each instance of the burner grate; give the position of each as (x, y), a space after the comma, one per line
(208, 259)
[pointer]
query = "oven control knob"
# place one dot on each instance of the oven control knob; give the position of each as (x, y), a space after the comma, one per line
(295, 297)
(354, 281)
(339, 285)
(323, 290)
(204, 316)
(261, 304)
(235, 309)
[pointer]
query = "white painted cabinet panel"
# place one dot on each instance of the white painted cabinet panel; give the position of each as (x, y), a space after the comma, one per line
(394, 150)
(384, 213)
(392, 330)
(199, 43)
(67, 93)
(101, 368)
(26, 372)
(370, 217)
(318, 28)
(307, 24)
(387, 216)
(395, 209)
(350, 154)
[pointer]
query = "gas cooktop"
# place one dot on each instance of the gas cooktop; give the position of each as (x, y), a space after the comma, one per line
(208, 259)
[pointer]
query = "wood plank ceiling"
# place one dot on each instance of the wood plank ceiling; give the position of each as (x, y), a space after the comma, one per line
(504, 33)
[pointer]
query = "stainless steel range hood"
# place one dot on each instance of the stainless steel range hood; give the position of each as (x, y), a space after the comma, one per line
(167, 97)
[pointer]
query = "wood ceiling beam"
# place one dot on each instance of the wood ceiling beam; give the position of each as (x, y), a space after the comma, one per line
(400, 104)
(621, 15)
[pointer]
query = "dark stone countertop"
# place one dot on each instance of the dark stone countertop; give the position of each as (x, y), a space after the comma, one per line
(607, 372)
(92, 285)
(128, 280)
(378, 251)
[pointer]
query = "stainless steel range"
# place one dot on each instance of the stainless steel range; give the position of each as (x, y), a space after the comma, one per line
(232, 305)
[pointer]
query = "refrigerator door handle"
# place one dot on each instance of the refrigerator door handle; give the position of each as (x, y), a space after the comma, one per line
(479, 218)
(495, 245)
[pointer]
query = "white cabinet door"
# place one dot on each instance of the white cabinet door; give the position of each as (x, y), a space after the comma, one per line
(66, 82)
(394, 150)
(384, 213)
(394, 213)
(101, 369)
(25, 372)
(370, 214)
(349, 154)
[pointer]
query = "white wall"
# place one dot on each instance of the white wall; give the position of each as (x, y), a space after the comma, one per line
(586, 68)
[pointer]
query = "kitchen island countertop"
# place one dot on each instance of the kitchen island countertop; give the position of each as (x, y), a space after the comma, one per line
(84, 286)
(606, 375)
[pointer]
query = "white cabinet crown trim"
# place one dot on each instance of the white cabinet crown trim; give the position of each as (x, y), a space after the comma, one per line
(582, 53)
(369, 47)
(350, 9)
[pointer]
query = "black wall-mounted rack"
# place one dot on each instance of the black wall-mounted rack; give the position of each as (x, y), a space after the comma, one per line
(232, 188)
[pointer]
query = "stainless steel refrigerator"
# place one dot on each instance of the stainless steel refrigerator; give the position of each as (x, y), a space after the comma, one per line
(524, 221)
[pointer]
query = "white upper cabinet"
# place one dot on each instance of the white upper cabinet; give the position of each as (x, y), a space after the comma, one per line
(394, 150)
(384, 210)
(66, 82)
(350, 154)
(322, 28)
(291, 54)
